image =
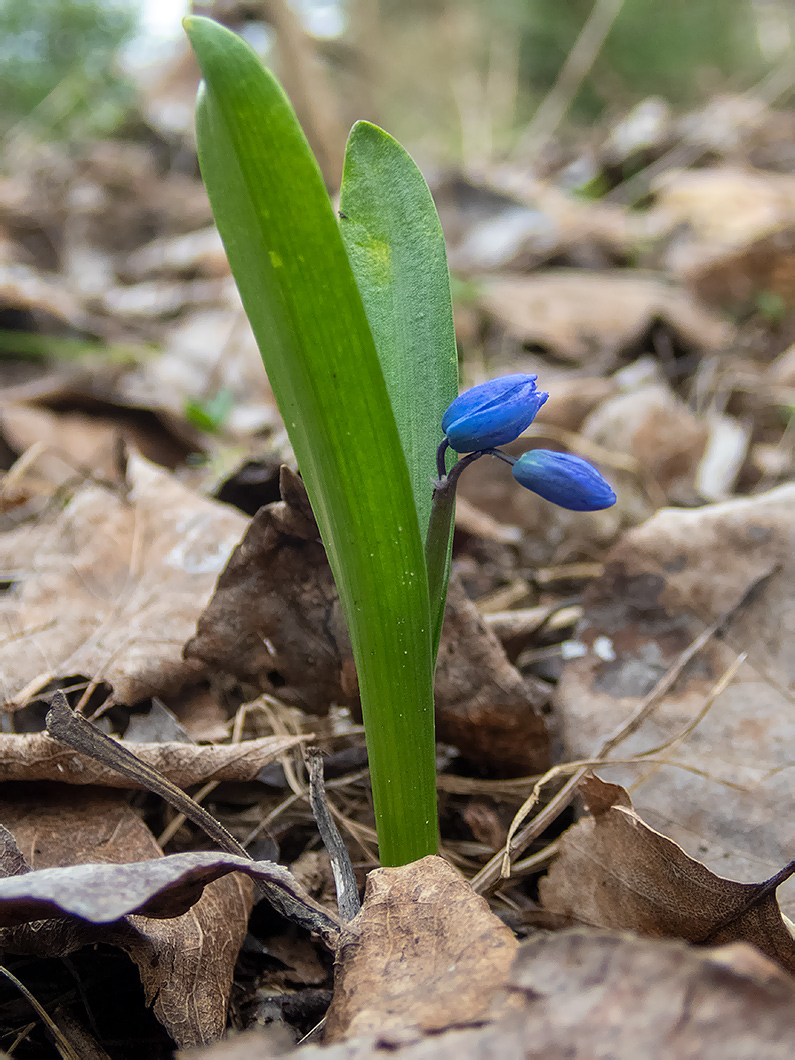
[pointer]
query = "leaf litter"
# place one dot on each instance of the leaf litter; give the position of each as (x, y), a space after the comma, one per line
(665, 335)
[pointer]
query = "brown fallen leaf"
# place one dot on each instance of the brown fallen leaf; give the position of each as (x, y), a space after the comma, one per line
(726, 205)
(591, 317)
(664, 583)
(581, 995)
(424, 952)
(38, 757)
(591, 994)
(508, 221)
(613, 871)
(75, 443)
(27, 289)
(110, 587)
(200, 252)
(185, 961)
(276, 624)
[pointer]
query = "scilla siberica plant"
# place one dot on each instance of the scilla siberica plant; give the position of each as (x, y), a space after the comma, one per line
(353, 318)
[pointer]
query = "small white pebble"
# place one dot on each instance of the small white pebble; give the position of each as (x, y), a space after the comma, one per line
(573, 649)
(603, 647)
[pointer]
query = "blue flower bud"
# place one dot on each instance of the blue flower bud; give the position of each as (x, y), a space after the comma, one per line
(493, 413)
(563, 479)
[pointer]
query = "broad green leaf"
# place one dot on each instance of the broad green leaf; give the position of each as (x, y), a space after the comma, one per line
(291, 268)
(396, 247)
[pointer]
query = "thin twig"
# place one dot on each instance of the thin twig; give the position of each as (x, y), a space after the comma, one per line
(348, 902)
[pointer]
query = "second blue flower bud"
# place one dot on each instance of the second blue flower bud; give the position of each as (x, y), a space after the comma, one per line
(566, 480)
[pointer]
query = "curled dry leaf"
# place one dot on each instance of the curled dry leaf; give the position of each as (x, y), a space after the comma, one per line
(580, 995)
(614, 871)
(424, 952)
(38, 757)
(276, 624)
(664, 583)
(12, 860)
(163, 887)
(185, 961)
(111, 586)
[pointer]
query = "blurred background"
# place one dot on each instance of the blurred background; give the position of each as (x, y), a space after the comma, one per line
(467, 79)
(615, 181)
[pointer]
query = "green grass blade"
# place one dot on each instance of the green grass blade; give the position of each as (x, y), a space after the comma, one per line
(301, 298)
(396, 247)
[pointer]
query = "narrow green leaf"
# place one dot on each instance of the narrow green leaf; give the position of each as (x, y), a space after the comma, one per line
(301, 298)
(396, 247)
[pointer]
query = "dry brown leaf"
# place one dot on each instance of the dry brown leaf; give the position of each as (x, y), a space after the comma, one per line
(37, 757)
(733, 232)
(27, 290)
(658, 431)
(599, 995)
(724, 205)
(111, 587)
(664, 583)
(90, 444)
(589, 318)
(276, 624)
(588, 995)
(186, 961)
(424, 952)
(209, 348)
(613, 871)
(76, 444)
(513, 222)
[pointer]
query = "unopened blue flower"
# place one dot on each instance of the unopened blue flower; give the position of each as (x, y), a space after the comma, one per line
(563, 479)
(493, 413)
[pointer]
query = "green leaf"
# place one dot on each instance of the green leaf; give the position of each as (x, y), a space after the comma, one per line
(291, 268)
(396, 248)
(395, 243)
